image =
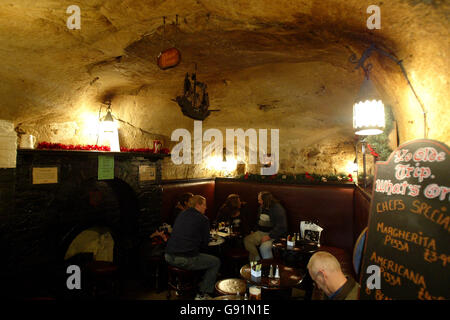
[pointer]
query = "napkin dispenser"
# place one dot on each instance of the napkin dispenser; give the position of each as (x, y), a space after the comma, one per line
(255, 269)
(310, 231)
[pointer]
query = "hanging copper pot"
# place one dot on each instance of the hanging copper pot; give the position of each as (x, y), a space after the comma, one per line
(169, 58)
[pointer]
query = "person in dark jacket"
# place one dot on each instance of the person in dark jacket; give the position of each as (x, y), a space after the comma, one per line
(182, 204)
(271, 225)
(325, 270)
(190, 236)
(230, 212)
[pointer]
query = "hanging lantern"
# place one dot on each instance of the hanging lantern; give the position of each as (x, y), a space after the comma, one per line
(368, 110)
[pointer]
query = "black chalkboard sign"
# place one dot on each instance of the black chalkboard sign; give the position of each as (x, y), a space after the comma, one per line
(409, 225)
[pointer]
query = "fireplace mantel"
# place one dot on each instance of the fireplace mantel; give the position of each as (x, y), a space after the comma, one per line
(46, 152)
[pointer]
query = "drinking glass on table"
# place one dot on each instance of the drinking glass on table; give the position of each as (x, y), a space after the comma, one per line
(255, 293)
(214, 228)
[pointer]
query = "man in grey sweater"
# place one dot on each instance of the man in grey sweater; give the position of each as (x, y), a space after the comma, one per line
(271, 225)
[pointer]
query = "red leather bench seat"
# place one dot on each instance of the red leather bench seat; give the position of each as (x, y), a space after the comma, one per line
(332, 206)
(172, 191)
(341, 210)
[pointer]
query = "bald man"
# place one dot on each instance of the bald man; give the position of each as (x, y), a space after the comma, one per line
(326, 272)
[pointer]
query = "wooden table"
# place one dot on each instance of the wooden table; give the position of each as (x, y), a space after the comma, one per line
(304, 246)
(215, 246)
(216, 240)
(229, 297)
(289, 277)
(297, 255)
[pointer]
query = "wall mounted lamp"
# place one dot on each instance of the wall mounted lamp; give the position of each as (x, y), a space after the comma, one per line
(108, 133)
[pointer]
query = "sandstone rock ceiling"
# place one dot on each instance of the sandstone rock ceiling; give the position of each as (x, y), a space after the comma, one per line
(266, 63)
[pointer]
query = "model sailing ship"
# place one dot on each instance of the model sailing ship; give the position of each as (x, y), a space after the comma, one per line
(194, 102)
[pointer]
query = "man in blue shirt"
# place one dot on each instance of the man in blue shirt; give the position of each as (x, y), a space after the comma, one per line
(190, 236)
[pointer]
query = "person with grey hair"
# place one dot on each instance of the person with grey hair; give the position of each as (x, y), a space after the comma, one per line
(190, 236)
(325, 271)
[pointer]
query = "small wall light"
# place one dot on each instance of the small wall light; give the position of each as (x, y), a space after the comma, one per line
(108, 133)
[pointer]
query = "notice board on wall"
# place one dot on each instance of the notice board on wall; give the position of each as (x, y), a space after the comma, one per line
(409, 225)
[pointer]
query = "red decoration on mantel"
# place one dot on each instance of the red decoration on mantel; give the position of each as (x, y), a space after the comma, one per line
(60, 146)
(308, 176)
(145, 150)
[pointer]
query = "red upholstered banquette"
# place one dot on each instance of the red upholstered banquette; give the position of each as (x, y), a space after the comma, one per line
(341, 210)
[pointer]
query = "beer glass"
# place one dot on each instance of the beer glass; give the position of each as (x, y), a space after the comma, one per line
(255, 293)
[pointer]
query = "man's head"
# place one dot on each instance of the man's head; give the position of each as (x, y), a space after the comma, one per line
(184, 199)
(233, 201)
(198, 203)
(326, 272)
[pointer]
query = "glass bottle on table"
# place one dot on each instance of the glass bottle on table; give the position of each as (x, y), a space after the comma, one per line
(277, 275)
(271, 271)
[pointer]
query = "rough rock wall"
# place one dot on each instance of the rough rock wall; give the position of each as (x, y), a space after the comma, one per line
(267, 64)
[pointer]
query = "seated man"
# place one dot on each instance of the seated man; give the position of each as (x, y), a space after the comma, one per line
(182, 204)
(271, 225)
(326, 272)
(190, 235)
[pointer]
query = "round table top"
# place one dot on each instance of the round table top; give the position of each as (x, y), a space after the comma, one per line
(231, 286)
(229, 297)
(289, 277)
(302, 245)
(216, 240)
(224, 234)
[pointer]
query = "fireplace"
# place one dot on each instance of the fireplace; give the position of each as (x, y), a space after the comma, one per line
(77, 218)
(96, 241)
